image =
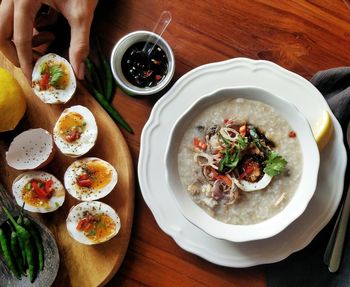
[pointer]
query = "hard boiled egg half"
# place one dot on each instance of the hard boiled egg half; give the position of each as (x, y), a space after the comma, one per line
(92, 222)
(75, 131)
(53, 79)
(40, 191)
(90, 178)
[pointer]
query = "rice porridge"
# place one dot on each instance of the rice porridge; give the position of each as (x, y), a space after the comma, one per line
(240, 161)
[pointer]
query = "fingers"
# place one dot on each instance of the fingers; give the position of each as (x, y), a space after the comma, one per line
(6, 31)
(24, 16)
(80, 22)
(79, 49)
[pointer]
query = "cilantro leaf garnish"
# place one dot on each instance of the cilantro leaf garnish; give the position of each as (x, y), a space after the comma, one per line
(275, 163)
(241, 143)
(233, 154)
(42, 68)
(56, 73)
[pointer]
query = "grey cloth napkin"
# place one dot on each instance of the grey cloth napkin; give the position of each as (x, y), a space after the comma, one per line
(306, 267)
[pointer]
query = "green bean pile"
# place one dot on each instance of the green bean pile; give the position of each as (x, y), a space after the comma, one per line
(22, 247)
(99, 81)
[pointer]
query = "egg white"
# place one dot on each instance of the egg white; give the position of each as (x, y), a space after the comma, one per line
(87, 139)
(252, 186)
(83, 193)
(94, 207)
(52, 95)
(54, 202)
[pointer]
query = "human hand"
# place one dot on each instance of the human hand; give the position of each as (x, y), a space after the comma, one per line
(18, 36)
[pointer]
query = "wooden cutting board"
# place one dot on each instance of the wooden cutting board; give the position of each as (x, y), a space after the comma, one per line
(80, 265)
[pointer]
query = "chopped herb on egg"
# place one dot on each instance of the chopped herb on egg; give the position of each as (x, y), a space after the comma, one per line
(56, 73)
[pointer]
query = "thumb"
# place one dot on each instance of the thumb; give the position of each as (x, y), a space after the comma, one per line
(79, 15)
(79, 47)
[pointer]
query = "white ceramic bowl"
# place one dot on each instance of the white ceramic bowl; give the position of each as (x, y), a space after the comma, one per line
(122, 46)
(297, 204)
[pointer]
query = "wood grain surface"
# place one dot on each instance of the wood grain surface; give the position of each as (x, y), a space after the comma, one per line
(80, 265)
(304, 36)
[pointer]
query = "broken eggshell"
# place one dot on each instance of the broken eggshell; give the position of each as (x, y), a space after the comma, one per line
(31, 149)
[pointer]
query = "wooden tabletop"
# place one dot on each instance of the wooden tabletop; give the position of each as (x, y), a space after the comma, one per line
(304, 36)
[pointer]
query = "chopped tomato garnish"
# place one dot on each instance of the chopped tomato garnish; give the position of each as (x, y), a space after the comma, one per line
(38, 190)
(85, 183)
(84, 180)
(243, 130)
(48, 185)
(225, 178)
(86, 223)
(44, 81)
(248, 169)
(158, 77)
(199, 144)
(292, 134)
(73, 135)
(83, 176)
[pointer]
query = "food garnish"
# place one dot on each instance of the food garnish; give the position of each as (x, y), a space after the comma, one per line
(274, 164)
(96, 226)
(323, 130)
(53, 74)
(236, 156)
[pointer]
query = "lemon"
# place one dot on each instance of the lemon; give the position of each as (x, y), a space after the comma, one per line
(323, 130)
(12, 102)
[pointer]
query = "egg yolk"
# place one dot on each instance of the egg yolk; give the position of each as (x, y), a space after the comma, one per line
(95, 175)
(71, 126)
(97, 227)
(37, 192)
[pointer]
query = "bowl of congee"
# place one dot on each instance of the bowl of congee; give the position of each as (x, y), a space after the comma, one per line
(242, 163)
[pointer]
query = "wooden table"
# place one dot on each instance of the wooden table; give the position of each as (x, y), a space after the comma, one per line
(304, 36)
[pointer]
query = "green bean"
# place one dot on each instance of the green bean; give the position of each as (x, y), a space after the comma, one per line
(92, 72)
(37, 240)
(25, 241)
(116, 116)
(108, 83)
(16, 250)
(7, 254)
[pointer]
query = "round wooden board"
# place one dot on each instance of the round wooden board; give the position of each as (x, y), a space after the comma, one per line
(80, 265)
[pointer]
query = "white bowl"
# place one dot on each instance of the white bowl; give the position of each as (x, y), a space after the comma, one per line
(296, 205)
(122, 46)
